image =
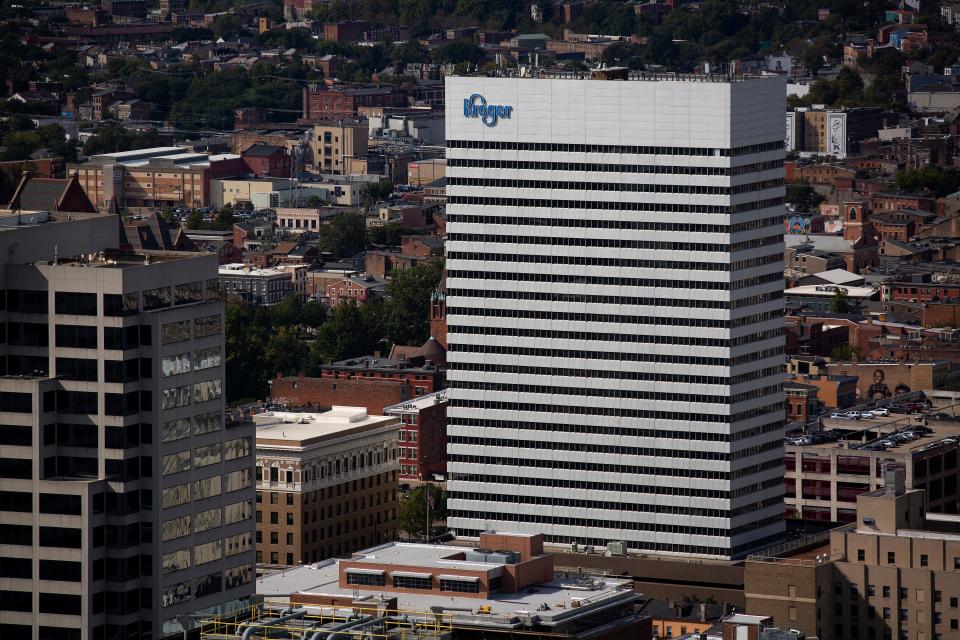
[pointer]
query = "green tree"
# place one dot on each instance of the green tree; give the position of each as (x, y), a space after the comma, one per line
(344, 335)
(113, 136)
(379, 190)
(224, 219)
(802, 195)
(939, 181)
(345, 236)
(195, 220)
(244, 341)
(407, 310)
(841, 302)
(844, 352)
(388, 235)
(226, 26)
(412, 513)
(285, 352)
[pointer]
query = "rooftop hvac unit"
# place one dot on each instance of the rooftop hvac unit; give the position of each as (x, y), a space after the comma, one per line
(617, 548)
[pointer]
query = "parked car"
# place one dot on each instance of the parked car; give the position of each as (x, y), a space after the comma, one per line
(880, 412)
(854, 415)
(836, 415)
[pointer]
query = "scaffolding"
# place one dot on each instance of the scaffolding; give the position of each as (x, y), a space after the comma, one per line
(308, 621)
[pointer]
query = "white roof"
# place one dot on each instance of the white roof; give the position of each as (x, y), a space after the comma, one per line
(838, 276)
(416, 404)
(298, 426)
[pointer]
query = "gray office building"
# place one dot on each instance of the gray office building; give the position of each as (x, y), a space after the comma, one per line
(126, 497)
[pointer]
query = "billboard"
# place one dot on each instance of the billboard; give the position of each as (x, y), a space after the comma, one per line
(837, 134)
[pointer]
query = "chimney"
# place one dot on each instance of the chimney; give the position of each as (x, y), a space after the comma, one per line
(894, 481)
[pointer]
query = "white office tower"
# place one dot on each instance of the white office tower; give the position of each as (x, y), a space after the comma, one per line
(615, 314)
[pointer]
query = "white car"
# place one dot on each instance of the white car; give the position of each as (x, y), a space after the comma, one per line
(854, 415)
(881, 412)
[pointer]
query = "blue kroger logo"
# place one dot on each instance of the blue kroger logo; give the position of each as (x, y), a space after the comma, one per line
(476, 107)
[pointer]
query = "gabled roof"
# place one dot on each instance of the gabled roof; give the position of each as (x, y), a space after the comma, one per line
(51, 194)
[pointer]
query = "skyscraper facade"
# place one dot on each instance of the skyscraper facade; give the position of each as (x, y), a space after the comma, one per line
(126, 499)
(614, 309)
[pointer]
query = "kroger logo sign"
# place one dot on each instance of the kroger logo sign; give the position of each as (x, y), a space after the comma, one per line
(476, 107)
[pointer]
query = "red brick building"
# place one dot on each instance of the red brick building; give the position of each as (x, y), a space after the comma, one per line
(321, 103)
(921, 291)
(346, 31)
(358, 289)
(268, 161)
(423, 436)
(800, 401)
(424, 375)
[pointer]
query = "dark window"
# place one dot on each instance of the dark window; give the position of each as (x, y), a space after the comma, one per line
(60, 603)
(16, 435)
(115, 304)
(121, 370)
(78, 304)
(63, 504)
(16, 601)
(24, 301)
(208, 585)
(61, 570)
(21, 365)
(121, 404)
(119, 338)
(861, 555)
(16, 534)
(76, 402)
(60, 537)
(122, 437)
(16, 632)
(28, 334)
(16, 402)
(84, 369)
(76, 336)
(20, 501)
(16, 468)
(16, 568)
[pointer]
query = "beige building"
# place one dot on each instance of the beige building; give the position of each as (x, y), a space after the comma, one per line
(893, 573)
(127, 498)
(326, 484)
(155, 177)
(261, 193)
(333, 142)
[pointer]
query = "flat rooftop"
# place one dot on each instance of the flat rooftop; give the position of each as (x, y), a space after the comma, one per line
(426, 556)
(558, 595)
(415, 405)
(855, 432)
(303, 428)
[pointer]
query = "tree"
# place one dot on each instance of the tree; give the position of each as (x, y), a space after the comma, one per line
(113, 136)
(345, 236)
(379, 190)
(244, 342)
(844, 352)
(802, 196)
(407, 310)
(285, 352)
(195, 220)
(933, 178)
(344, 335)
(226, 26)
(412, 513)
(841, 302)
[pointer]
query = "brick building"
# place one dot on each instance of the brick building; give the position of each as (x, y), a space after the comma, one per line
(423, 436)
(345, 31)
(265, 160)
(322, 103)
(326, 484)
(359, 289)
(800, 402)
(422, 374)
(375, 395)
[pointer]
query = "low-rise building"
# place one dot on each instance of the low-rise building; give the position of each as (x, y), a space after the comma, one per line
(333, 142)
(301, 219)
(506, 587)
(259, 193)
(423, 436)
(268, 161)
(255, 286)
(890, 573)
(358, 289)
(326, 483)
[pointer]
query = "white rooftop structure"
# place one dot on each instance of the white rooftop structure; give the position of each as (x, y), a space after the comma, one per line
(416, 404)
(829, 290)
(305, 427)
(838, 276)
(238, 268)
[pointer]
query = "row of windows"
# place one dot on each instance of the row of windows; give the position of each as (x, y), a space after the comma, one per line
(593, 503)
(657, 376)
(613, 355)
(621, 450)
(625, 187)
(583, 298)
(618, 243)
(620, 430)
(617, 412)
(630, 225)
(555, 334)
(492, 312)
(601, 205)
(625, 167)
(593, 261)
(619, 394)
(618, 525)
(616, 281)
(642, 488)
(509, 145)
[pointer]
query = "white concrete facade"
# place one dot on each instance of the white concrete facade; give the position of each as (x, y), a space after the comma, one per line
(615, 259)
